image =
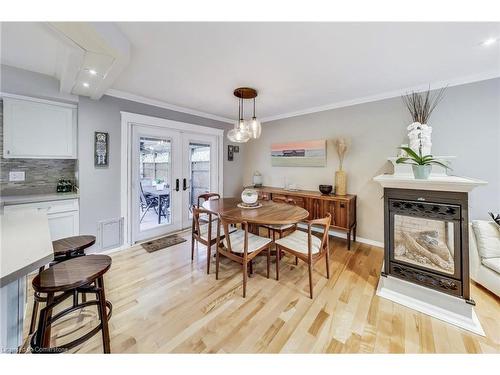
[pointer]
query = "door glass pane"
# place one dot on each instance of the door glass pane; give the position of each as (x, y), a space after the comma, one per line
(154, 182)
(427, 243)
(199, 171)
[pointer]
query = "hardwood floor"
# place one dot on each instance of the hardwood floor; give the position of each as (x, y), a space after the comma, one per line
(163, 303)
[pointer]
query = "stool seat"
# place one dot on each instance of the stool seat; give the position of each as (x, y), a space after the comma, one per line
(71, 274)
(73, 244)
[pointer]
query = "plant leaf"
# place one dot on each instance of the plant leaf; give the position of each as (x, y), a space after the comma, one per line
(445, 166)
(412, 154)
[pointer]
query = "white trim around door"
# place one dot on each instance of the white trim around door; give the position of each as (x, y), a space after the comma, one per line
(129, 119)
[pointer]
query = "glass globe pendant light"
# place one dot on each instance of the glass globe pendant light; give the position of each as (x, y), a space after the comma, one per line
(245, 130)
(254, 126)
(240, 133)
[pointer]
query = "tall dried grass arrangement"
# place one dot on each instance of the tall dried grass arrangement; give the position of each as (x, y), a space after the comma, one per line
(341, 145)
(422, 104)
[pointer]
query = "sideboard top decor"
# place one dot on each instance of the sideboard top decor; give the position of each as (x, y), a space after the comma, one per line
(299, 154)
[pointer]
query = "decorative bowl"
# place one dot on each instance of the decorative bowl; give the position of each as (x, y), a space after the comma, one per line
(325, 189)
(249, 196)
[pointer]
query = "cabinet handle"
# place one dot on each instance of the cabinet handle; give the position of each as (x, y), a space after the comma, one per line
(176, 184)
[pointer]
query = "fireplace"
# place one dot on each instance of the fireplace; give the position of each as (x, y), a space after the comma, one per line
(426, 239)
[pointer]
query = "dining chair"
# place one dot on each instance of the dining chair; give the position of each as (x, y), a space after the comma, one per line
(205, 197)
(281, 229)
(204, 232)
(240, 246)
(306, 247)
(147, 202)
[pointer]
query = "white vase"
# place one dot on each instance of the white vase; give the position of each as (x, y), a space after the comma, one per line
(419, 136)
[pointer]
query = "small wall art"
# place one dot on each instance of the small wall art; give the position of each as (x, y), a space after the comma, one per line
(299, 154)
(101, 149)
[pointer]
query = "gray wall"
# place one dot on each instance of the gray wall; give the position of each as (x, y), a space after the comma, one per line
(465, 124)
(100, 188)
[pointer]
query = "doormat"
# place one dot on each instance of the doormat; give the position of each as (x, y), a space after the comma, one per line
(162, 243)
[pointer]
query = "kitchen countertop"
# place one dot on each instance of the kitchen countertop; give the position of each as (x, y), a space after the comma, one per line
(8, 200)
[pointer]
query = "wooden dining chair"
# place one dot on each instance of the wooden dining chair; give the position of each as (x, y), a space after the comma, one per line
(205, 197)
(280, 229)
(205, 232)
(240, 246)
(307, 247)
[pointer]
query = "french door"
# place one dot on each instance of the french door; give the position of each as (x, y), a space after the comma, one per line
(170, 169)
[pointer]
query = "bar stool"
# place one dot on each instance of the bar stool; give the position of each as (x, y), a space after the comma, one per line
(64, 249)
(77, 275)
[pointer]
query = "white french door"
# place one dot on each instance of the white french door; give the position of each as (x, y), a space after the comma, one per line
(200, 168)
(170, 168)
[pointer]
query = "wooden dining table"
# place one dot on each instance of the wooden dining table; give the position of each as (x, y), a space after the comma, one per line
(270, 212)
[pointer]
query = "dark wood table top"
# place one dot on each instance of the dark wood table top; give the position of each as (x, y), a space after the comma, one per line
(73, 273)
(270, 212)
(72, 244)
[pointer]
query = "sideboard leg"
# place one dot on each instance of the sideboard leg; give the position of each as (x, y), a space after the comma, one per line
(349, 240)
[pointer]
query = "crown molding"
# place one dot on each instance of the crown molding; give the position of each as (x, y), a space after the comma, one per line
(387, 95)
(158, 103)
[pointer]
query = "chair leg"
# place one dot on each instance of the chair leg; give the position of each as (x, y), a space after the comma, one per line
(278, 262)
(268, 260)
(192, 248)
(327, 263)
(103, 315)
(209, 256)
(245, 276)
(251, 267)
(33, 316)
(217, 264)
(296, 261)
(310, 281)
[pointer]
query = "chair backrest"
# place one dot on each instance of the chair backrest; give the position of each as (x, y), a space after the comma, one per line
(325, 222)
(196, 220)
(225, 222)
(206, 197)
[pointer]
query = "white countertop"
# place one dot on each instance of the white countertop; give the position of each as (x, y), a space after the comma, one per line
(33, 198)
(20, 253)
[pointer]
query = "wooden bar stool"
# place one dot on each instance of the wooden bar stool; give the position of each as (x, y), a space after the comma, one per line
(64, 249)
(81, 274)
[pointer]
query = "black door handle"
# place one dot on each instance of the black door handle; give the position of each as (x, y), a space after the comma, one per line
(184, 184)
(177, 184)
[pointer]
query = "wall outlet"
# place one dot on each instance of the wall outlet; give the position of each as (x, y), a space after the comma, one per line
(16, 176)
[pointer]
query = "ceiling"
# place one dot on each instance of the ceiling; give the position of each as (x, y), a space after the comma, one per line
(294, 66)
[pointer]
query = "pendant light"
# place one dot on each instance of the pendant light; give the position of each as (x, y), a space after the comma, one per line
(245, 130)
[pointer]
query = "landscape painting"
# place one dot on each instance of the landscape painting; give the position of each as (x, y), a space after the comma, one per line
(299, 154)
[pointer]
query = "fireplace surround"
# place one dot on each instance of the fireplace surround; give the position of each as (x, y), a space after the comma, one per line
(426, 239)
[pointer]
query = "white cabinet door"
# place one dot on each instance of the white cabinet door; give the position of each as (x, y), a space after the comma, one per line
(39, 129)
(64, 224)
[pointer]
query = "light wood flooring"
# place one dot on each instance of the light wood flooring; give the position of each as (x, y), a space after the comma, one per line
(163, 303)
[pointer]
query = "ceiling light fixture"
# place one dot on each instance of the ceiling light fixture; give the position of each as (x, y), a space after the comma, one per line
(489, 42)
(85, 84)
(92, 72)
(245, 130)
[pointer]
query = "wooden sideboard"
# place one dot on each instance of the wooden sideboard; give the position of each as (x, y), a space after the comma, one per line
(341, 207)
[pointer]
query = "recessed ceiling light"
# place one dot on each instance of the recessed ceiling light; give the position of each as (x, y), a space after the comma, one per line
(92, 72)
(85, 84)
(489, 42)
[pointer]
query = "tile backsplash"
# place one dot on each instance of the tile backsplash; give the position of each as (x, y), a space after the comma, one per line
(41, 175)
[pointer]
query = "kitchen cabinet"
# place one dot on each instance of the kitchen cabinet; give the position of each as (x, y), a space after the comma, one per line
(38, 129)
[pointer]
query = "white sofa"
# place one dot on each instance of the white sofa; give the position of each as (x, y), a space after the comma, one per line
(483, 270)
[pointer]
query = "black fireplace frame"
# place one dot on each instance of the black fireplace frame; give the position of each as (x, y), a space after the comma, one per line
(457, 284)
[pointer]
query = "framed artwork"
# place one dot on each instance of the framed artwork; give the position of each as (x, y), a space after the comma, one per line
(230, 152)
(299, 154)
(101, 149)
(236, 148)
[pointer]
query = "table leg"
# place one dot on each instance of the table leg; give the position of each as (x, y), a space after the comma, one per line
(159, 209)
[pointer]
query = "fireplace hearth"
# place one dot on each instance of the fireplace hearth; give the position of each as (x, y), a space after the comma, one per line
(426, 239)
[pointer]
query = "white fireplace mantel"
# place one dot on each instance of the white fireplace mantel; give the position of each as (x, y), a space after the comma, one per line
(434, 182)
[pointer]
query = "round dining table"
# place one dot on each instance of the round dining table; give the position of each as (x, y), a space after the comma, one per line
(270, 212)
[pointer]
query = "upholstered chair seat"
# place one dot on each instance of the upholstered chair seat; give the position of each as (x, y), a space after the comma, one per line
(237, 239)
(278, 226)
(298, 241)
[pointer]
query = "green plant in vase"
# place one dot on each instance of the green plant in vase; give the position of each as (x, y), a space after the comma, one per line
(421, 164)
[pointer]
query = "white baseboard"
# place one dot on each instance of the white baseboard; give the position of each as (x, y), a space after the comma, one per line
(439, 305)
(339, 234)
